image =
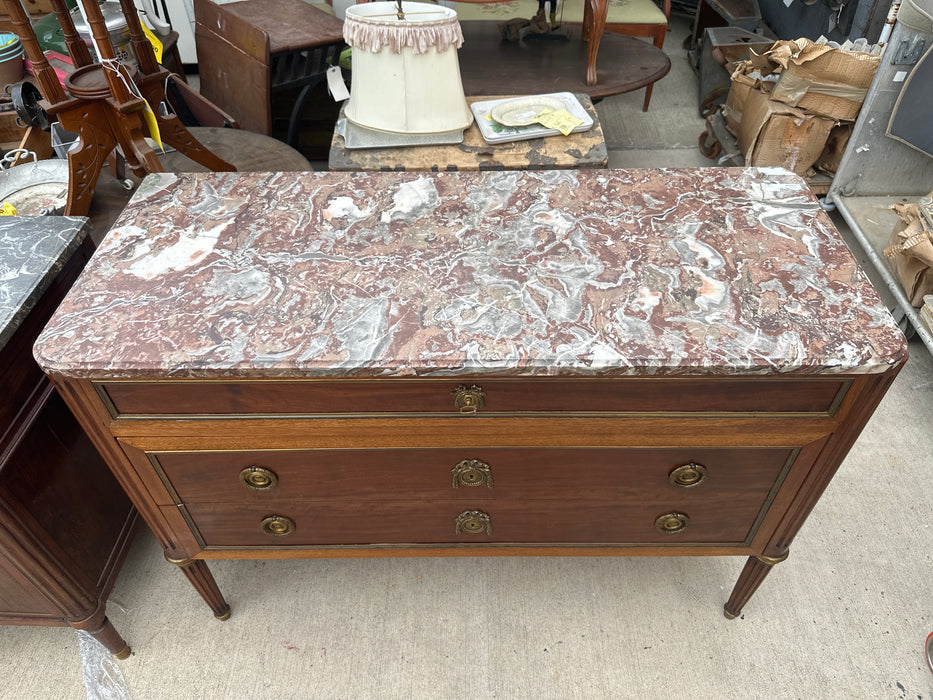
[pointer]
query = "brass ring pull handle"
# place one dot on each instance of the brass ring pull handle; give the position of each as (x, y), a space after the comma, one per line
(277, 525)
(469, 399)
(473, 522)
(687, 476)
(258, 478)
(472, 472)
(672, 523)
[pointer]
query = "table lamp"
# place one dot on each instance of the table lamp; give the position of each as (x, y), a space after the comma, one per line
(406, 76)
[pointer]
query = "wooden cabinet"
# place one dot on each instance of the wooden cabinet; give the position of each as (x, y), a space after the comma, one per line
(322, 382)
(64, 521)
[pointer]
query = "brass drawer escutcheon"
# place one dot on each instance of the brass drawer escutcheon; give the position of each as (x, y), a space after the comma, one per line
(472, 472)
(469, 399)
(473, 522)
(687, 476)
(277, 525)
(258, 478)
(672, 523)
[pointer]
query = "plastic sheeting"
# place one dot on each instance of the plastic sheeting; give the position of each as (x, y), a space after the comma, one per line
(102, 676)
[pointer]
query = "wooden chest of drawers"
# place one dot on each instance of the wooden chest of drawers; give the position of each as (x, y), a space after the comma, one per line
(65, 524)
(625, 362)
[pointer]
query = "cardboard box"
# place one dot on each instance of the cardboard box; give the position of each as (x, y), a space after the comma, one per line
(835, 147)
(744, 81)
(823, 80)
(772, 133)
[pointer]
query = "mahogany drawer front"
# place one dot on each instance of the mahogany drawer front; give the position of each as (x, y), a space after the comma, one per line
(645, 474)
(325, 523)
(533, 395)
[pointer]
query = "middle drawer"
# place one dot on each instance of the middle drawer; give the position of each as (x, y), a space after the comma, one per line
(269, 476)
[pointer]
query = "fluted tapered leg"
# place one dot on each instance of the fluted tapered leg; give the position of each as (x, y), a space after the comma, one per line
(755, 571)
(196, 571)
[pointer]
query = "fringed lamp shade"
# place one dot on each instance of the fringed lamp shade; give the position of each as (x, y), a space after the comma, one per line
(406, 77)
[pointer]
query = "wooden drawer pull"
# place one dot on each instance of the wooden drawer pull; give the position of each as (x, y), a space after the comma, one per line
(672, 523)
(473, 522)
(277, 525)
(687, 476)
(472, 472)
(258, 478)
(469, 399)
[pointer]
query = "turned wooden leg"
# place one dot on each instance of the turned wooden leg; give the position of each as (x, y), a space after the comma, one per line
(594, 33)
(98, 626)
(756, 568)
(200, 577)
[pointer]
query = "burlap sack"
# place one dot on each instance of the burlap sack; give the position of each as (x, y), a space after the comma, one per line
(911, 253)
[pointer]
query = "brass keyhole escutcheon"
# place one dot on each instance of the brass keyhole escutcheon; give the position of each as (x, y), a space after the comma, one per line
(473, 522)
(472, 472)
(277, 525)
(672, 523)
(469, 399)
(687, 476)
(258, 478)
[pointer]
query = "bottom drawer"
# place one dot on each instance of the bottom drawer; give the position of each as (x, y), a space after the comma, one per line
(314, 523)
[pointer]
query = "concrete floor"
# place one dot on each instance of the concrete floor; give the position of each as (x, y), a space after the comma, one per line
(845, 617)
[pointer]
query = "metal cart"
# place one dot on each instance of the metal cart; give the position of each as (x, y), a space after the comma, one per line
(877, 171)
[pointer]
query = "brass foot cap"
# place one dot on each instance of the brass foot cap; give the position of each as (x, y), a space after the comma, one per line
(729, 615)
(223, 617)
(124, 653)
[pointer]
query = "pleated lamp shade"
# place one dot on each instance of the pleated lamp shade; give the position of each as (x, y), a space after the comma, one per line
(406, 76)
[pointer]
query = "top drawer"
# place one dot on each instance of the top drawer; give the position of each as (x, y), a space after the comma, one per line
(346, 397)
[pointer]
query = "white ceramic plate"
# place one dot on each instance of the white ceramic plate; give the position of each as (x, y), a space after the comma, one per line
(523, 110)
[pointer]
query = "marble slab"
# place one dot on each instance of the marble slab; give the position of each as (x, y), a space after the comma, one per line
(33, 250)
(572, 273)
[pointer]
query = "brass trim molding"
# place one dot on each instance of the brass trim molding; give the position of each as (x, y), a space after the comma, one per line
(771, 561)
(177, 562)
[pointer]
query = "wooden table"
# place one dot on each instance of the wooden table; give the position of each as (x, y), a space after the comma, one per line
(65, 524)
(491, 66)
(586, 149)
(596, 362)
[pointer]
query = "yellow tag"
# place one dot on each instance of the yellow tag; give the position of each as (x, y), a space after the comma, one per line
(154, 40)
(7, 209)
(559, 119)
(153, 125)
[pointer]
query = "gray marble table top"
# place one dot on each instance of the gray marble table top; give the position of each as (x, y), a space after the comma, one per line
(550, 273)
(33, 250)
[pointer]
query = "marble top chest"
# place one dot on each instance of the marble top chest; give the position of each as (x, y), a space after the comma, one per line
(674, 361)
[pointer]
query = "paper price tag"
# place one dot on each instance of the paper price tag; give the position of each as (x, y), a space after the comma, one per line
(335, 85)
(559, 119)
(154, 40)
